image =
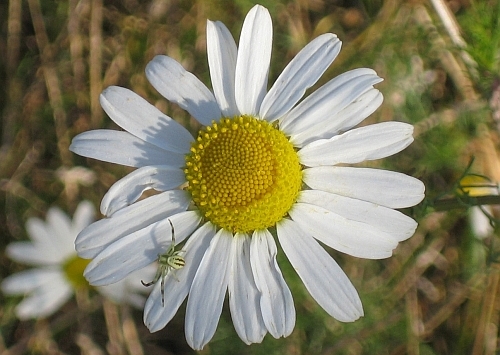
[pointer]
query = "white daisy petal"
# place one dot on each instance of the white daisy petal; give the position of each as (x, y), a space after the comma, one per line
(276, 299)
(45, 300)
(365, 143)
(387, 220)
(60, 224)
(138, 117)
(206, 297)
(93, 239)
(254, 56)
(386, 188)
(243, 293)
(180, 86)
(41, 234)
(156, 314)
(357, 111)
(28, 280)
(348, 236)
(84, 215)
(323, 278)
(62, 235)
(121, 257)
(347, 118)
(222, 53)
(328, 100)
(128, 189)
(300, 74)
(33, 253)
(122, 148)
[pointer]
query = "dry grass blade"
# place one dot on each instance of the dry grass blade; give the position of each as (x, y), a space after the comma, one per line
(12, 109)
(455, 68)
(95, 65)
(47, 55)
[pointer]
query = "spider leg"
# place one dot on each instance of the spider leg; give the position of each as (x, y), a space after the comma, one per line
(155, 279)
(173, 234)
(164, 273)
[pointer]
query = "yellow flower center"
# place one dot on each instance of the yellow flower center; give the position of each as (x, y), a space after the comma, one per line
(243, 174)
(73, 269)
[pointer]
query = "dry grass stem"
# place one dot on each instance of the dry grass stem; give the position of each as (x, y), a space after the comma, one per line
(95, 65)
(47, 56)
(454, 67)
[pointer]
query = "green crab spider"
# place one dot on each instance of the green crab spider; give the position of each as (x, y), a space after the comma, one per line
(171, 260)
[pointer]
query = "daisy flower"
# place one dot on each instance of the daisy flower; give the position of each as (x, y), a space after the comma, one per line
(59, 270)
(263, 162)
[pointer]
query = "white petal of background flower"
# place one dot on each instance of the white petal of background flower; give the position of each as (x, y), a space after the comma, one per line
(122, 148)
(387, 220)
(130, 288)
(138, 117)
(84, 215)
(345, 119)
(244, 296)
(276, 300)
(209, 286)
(180, 86)
(96, 237)
(118, 293)
(42, 236)
(299, 75)
(254, 56)
(323, 104)
(386, 188)
(63, 236)
(129, 189)
(222, 53)
(121, 258)
(157, 315)
(365, 143)
(33, 253)
(46, 299)
(323, 278)
(28, 280)
(348, 236)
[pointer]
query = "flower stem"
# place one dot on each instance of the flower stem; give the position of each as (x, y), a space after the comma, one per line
(450, 203)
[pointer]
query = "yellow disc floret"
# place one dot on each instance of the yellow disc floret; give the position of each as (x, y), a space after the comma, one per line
(243, 174)
(73, 270)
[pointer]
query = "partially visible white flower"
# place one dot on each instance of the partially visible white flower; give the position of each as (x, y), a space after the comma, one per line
(58, 270)
(480, 224)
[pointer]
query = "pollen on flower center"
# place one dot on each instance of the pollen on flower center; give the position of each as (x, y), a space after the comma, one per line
(243, 174)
